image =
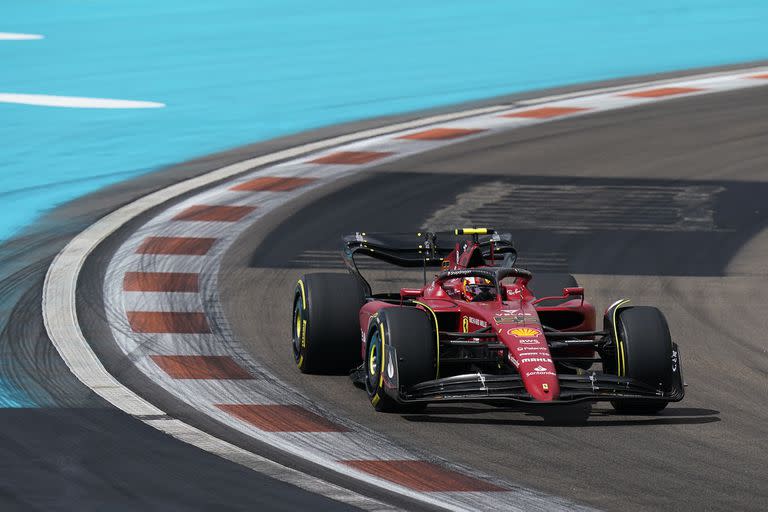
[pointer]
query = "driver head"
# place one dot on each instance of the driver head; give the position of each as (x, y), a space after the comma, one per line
(477, 289)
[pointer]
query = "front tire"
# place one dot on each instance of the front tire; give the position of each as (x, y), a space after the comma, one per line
(646, 356)
(326, 325)
(411, 332)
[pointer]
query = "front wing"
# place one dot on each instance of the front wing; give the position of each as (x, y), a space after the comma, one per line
(589, 386)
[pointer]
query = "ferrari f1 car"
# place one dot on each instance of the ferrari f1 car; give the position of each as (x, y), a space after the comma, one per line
(481, 330)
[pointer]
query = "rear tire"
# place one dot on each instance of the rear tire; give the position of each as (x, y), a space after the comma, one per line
(412, 334)
(644, 335)
(326, 325)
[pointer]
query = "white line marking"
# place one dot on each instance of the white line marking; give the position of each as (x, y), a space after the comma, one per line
(11, 36)
(44, 100)
(703, 79)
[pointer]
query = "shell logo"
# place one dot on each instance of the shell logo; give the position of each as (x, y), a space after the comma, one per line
(524, 332)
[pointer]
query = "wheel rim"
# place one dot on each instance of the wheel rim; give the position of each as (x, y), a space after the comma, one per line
(297, 322)
(374, 361)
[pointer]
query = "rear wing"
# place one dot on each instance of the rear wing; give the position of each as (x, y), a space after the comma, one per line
(424, 249)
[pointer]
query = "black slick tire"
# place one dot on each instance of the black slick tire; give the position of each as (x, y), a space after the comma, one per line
(411, 332)
(645, 355)
(325, 327)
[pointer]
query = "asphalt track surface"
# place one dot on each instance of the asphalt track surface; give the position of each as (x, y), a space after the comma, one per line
(75, 451)
(680, 193)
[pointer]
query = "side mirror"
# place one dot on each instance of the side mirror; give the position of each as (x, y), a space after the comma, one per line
(568, 292)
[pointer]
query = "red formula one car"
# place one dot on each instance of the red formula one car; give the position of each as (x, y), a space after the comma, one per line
(478, 331)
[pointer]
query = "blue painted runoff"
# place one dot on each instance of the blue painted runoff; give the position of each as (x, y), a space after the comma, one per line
(12, 397)
(237, 71)
(233, 72)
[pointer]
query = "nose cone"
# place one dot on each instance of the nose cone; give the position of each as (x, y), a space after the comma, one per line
(540, 381)
(529, 352)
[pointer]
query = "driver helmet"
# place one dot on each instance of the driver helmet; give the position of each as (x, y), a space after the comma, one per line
(477, 288)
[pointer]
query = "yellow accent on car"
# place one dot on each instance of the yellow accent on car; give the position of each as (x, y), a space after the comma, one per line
(471, 231)
(381, 357)
(465, 324)
(301, 361)
(623, 359)
(375, 399)
(619, 349)
(303, 334)
(524, 332)
(437, 337)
